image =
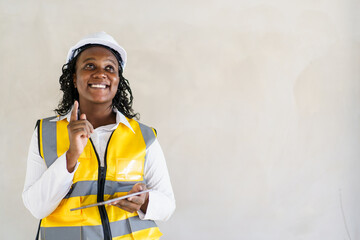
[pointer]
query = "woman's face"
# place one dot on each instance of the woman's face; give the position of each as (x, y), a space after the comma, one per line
(96, 76)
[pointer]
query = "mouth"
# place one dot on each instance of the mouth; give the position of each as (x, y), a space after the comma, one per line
(99, 86)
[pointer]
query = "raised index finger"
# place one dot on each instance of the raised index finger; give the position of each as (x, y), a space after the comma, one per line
(74, 112)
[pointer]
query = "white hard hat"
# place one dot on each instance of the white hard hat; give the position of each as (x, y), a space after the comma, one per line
(101, 38)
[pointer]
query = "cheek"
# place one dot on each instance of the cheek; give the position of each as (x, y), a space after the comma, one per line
(81, 80)
(114, 86)
(115, 82)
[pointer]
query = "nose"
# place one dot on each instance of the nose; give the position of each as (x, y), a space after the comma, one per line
(99, 74)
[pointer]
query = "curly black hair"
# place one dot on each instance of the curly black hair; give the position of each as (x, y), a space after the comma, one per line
(123, 98)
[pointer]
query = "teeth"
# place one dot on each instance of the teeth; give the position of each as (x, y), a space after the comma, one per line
(97, 86)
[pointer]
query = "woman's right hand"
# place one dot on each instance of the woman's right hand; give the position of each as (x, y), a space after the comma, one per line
(79, 132)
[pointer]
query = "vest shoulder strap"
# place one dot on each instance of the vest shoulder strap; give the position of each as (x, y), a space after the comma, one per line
(47, 140)
(148, 133)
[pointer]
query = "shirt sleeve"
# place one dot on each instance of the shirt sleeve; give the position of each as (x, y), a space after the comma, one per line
(161, 200)
(45, 187)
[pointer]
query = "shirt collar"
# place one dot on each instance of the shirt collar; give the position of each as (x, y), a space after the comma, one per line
(120, 118)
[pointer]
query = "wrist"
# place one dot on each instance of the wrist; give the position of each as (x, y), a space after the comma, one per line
(71, 160)
(144, 207)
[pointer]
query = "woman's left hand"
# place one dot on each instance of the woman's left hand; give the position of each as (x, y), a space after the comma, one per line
(134, 203)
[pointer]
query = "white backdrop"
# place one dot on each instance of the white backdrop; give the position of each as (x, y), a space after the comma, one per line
(256, 104)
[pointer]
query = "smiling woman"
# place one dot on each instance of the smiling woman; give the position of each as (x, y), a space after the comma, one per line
(123, 97)
(93, 151)
(97, 76)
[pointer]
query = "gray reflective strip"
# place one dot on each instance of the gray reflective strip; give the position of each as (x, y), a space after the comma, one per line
(137, 224)
(49, 141)
(112, 187)
(130, 225)
(84, 188)
(118, 228)
(71, 233)
(148, 134)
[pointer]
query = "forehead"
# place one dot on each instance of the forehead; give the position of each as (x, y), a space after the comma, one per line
(97, 53)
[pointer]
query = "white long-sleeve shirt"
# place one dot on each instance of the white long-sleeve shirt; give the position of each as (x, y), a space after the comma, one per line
(45, 187)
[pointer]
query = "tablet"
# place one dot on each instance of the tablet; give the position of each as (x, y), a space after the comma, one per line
(111, 200)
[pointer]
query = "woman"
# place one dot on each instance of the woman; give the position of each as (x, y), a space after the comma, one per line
(94, 151)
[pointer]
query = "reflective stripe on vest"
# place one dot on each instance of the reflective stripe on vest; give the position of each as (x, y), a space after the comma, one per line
(47, 140)
(119, 228)
(125, 158)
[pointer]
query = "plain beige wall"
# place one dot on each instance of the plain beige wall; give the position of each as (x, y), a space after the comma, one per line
(256, 104)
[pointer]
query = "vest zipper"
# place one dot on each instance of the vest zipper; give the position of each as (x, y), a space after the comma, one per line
(100, 192)
(102, 210)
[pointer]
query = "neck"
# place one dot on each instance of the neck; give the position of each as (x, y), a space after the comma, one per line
(98, 115)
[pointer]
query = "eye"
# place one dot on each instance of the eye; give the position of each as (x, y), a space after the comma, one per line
(89, 66)
(110, 68)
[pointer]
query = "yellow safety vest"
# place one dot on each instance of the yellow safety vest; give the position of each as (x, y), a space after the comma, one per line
(124, 166)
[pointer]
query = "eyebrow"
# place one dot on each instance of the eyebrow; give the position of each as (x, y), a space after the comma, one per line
(91, 58)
